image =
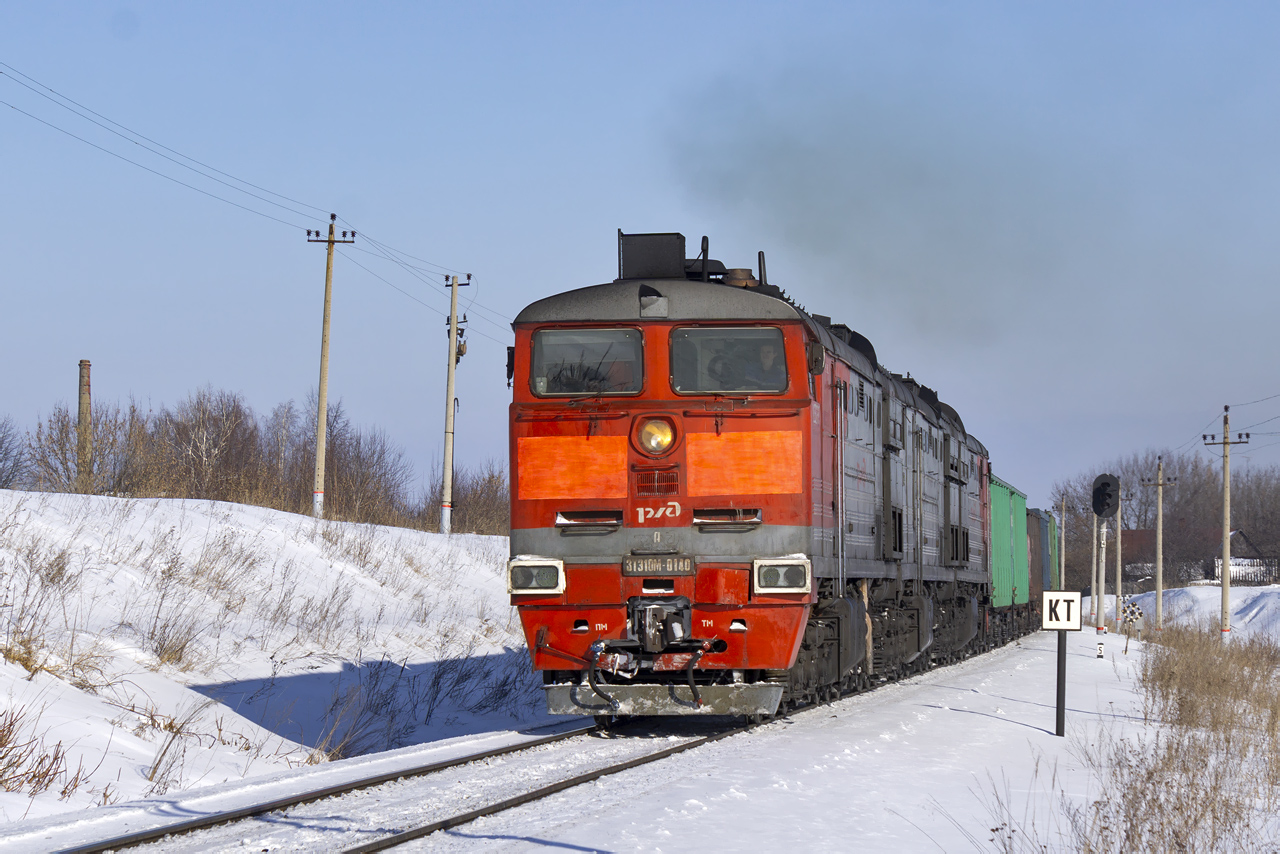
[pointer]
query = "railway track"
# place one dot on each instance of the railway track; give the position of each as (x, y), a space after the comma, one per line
(224, 818)
(388, 810)
(377, 813)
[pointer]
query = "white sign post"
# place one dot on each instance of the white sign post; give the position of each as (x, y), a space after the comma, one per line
(1061, 614)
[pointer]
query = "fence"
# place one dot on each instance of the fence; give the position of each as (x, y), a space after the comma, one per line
(1246, 571)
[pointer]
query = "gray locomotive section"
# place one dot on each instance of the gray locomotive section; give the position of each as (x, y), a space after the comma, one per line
(904, 450)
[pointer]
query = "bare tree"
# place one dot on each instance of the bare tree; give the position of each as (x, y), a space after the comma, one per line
(13, 455)
(212, 445)
(1192, 509)
(51, 451)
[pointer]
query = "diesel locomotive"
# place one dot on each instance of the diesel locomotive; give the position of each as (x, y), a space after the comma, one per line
(722, 504)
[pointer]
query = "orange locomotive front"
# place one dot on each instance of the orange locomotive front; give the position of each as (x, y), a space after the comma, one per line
(662, 478)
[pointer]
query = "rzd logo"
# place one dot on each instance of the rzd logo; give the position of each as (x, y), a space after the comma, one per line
(671, 508)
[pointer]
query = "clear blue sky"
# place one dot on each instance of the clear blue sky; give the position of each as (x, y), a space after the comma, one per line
(1060, 216)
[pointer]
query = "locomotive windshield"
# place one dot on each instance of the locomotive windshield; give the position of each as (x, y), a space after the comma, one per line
(586, 361)
(718, 360)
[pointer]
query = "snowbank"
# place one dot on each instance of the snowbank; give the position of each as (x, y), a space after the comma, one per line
(157, 645)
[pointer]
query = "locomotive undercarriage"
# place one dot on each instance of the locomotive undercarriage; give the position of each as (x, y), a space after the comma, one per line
(880, 631)
(912, 627)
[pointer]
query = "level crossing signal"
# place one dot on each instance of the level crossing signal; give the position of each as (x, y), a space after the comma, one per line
(1106, 495)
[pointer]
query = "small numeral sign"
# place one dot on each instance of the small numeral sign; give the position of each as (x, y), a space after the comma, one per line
(1061, 611)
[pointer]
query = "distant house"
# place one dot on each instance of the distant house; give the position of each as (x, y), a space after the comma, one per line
(1140, 561)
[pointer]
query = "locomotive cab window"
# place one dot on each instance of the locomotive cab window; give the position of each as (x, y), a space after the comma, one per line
(586, 361)
(714, 360)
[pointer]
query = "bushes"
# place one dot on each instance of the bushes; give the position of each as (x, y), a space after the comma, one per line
(214, 446)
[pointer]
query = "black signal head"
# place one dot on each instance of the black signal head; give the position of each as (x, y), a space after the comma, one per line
(1106, 495)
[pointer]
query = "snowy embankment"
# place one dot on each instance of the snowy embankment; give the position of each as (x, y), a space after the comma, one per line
(153, 646)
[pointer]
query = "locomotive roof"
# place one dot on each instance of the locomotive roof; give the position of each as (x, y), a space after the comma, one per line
(685, 300)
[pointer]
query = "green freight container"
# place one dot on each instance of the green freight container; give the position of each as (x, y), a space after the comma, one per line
(1010, 580)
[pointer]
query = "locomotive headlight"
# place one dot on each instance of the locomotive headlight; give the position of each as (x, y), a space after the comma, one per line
(656, 436)
(782, 575)
(535, 576)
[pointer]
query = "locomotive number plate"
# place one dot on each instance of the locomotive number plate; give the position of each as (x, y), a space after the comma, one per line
(657, 565)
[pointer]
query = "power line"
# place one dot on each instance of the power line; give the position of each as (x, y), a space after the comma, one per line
(77, 104)
(148, 168)
(172, 160)
(1260, 400)
(388, 252)
(412, 297)
(1212, 421)
(1265, 421)
(1254, 450)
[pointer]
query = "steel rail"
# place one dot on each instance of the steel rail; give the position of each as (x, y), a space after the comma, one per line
(536, 795)
(214, 819)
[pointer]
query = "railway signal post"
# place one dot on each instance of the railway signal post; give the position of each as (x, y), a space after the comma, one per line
(1061, 613)
(1093, 572)
(322, 403)
(1106, 503)
(1226, 443)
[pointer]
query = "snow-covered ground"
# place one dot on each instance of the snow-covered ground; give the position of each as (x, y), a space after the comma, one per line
(172, 644)
(913, 766)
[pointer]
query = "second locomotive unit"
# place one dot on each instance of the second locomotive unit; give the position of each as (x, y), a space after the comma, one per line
(722, 504)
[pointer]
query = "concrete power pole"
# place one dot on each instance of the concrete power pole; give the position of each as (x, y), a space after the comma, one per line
(455, 353)
(1226, 443)
(1119, 559)
(84, 434)
(1160, 483)
(322, 404)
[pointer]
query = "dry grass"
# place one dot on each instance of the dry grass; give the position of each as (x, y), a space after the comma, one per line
(27, 764)
(1202, 775)
(37, 585)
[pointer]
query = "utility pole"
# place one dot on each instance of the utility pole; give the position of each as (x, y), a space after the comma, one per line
(322, 405)
(84, 434)
(455, 353)
(1119, 559)
(1226, 443)
(1160, 483)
